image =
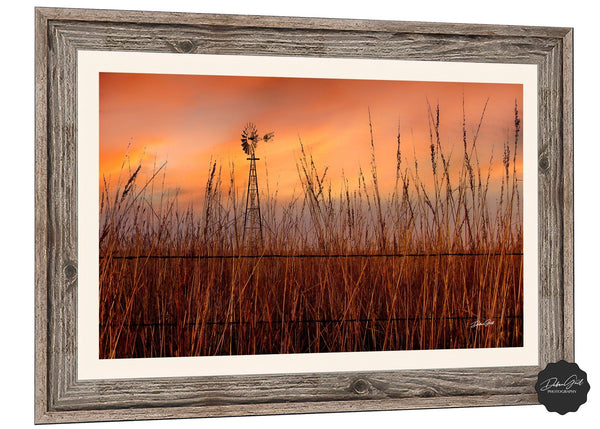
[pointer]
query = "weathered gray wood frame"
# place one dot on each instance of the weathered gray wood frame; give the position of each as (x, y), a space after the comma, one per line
(60, 33)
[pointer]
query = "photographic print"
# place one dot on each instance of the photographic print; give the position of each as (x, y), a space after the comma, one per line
(249, 215)
(308, 215)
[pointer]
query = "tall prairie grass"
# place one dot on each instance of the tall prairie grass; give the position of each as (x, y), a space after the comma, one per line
(339, 269)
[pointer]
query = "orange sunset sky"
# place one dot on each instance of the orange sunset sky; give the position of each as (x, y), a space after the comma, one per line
(187, 119)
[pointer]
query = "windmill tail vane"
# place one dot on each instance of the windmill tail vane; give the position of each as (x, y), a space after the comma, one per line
(253, 235)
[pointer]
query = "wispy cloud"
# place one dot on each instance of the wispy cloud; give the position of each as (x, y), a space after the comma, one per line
(190, 120)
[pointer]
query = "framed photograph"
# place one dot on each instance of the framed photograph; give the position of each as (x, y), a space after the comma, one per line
(241, 215)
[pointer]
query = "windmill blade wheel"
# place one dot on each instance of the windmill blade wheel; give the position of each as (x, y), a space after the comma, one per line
(249, 138)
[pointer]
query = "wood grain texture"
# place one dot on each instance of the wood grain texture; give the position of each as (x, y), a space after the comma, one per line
(60, 33)
(568, 204)
(41, 216)
(277, 22)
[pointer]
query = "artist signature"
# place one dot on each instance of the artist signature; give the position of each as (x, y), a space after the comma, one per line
(478, 323)
(553, 382)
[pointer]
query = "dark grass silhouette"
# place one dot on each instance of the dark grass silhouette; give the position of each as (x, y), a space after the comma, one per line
(339, 270)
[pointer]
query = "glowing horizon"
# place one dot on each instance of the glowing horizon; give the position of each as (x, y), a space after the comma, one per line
(189, 120)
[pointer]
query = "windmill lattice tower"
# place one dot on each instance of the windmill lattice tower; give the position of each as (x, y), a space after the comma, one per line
(253, 233)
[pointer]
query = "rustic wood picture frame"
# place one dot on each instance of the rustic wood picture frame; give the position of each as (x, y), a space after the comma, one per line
(60, 33)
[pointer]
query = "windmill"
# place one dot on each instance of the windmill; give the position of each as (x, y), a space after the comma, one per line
(252, 217)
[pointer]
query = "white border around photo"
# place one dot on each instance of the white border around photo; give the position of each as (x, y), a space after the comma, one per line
(91, 63)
